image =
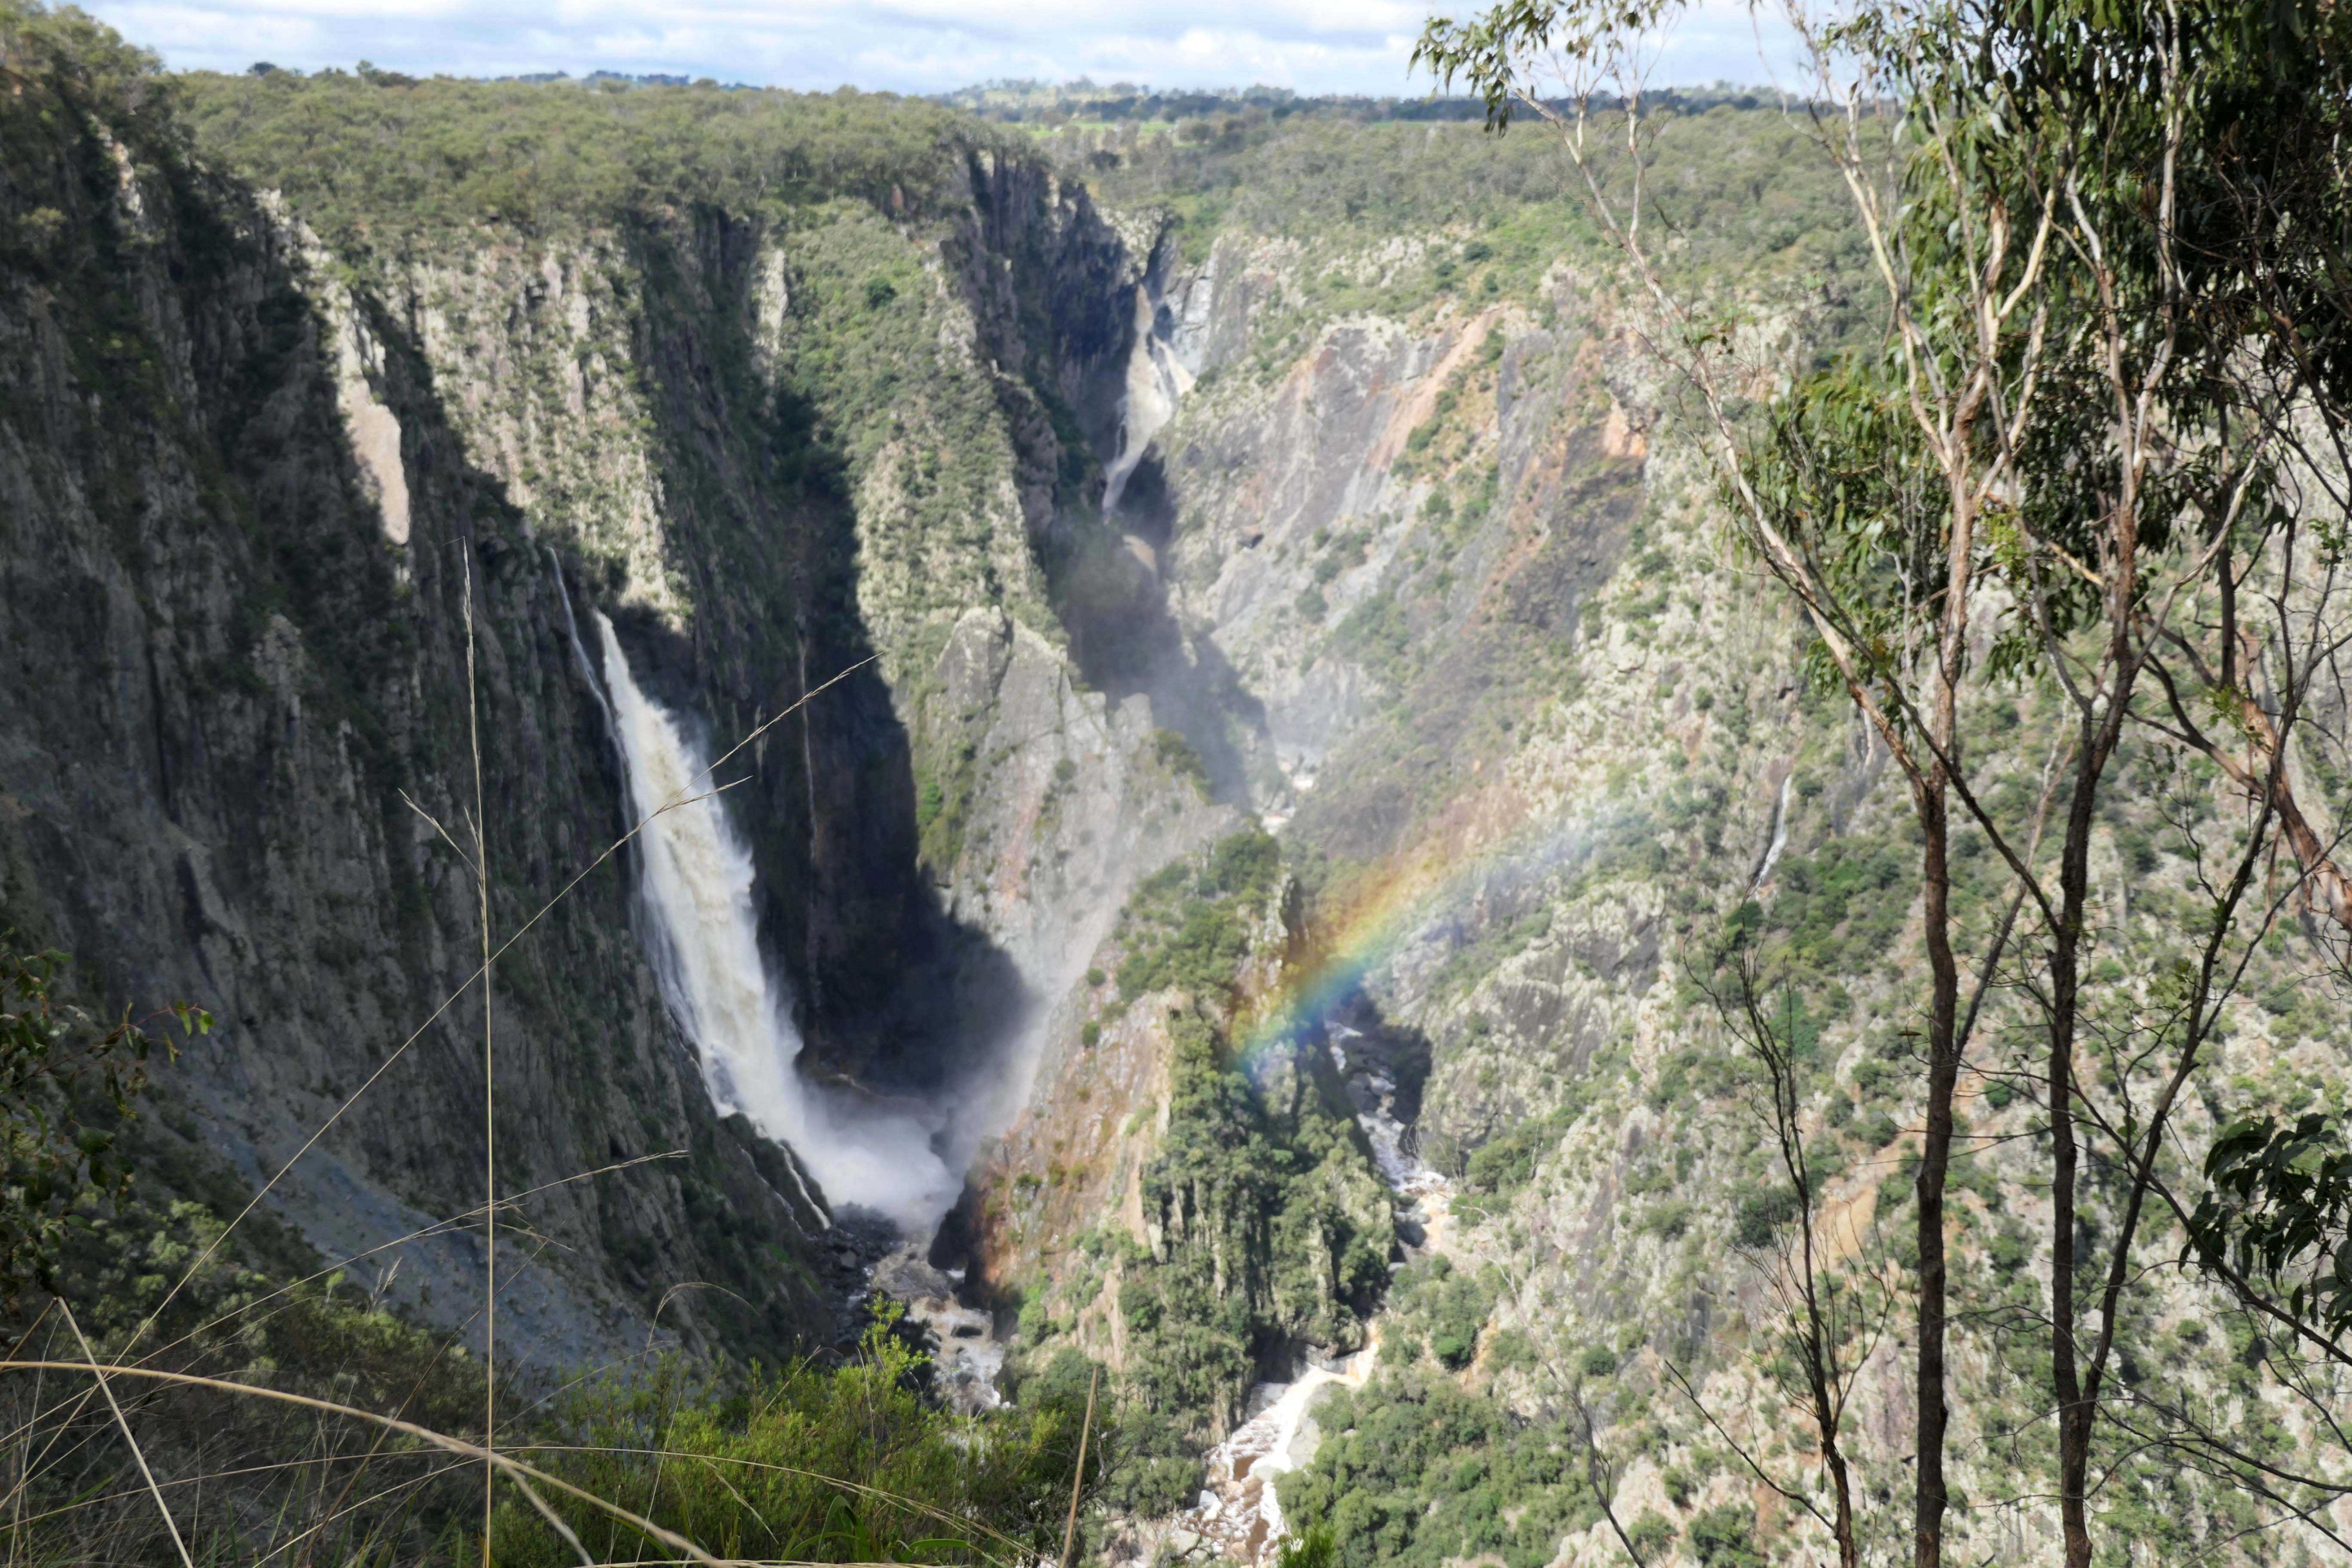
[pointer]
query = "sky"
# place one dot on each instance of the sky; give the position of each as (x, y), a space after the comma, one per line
(900, 45)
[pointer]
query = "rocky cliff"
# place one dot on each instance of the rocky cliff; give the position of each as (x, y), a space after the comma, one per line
(1538, 745)
(305, 532)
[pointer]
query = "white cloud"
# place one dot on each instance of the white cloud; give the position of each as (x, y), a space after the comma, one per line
(905, 46)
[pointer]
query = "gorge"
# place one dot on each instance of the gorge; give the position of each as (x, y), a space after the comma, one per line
(1146, 737)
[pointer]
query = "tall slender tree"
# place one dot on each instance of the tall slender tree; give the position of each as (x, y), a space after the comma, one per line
(2093, 447)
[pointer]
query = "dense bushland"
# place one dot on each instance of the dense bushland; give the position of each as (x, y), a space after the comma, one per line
(378, 160)
(804, 1463)
(1736, 188)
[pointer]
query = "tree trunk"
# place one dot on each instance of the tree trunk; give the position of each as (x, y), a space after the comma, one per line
(1849, 1549)
(2076, 1406)
(2065, 992)
(1934, 1161)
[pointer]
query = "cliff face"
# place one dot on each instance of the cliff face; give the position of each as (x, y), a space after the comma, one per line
(1544, 751)
(254, 486)
(1383, 529)
(242, 538)
(781, 453)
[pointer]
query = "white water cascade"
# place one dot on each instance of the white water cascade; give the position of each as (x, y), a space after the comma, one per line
(579, 649)
(703, 930)
(1237, 1515)
(1780, 835)
(1156, 380)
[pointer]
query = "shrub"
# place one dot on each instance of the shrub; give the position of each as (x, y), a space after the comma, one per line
(1761, 1212)
(1188, 927)
(1175, 753)
(808, 1464)
(65, 1084)
(1316, 1548)
(1725, 1537)
(1651, 1535)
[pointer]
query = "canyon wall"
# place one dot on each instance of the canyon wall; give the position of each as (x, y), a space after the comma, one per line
(1545, 758)
(303, 536)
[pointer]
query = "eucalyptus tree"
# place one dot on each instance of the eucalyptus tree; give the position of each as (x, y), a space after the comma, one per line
(2097, 448)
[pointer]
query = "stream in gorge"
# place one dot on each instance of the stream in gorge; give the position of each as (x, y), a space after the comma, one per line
(1237, 1517)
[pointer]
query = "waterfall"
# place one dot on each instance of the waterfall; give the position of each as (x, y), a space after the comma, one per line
(702, 929)
(579, 649)
(1779, 834)
(1155, 381)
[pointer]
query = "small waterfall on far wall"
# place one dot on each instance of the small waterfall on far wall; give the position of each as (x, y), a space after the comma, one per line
(1780, 835)
(703, 930)
(1156, 381)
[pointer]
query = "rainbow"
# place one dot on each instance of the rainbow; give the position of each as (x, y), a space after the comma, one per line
(1382, 911)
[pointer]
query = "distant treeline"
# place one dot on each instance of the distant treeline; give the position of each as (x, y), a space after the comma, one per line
(374, 158)
(1055, 103)
(377, 159)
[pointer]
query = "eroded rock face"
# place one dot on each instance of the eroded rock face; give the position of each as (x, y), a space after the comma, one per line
(253, 494)
(243, 540)
(1392, 535)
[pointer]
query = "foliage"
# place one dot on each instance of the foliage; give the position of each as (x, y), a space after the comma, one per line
(2278, 1213)
(1997, 441)
(1838, 909)
(378, 161)
(1651, 1535)
(65, 1086)
(1313, 1548)
(159, 1281)
(1087, 102)
(755, 1456)
(850, 1465)
(1841, 469)
(1414, 1469)
(66, 41)
(1275, 1227)
(65, 72)
(1379, 635)
(1498, 1168)
(1269, 1224)
(1725, 1537)
(1742, 192)
(1433, 1303)
(1188, 925)
(88, 59)
(1173, 753)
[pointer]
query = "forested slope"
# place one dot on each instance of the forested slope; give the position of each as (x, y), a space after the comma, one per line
(1311, 781)
(1557, 767)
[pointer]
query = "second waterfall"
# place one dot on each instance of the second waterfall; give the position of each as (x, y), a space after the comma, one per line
(702, 927)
